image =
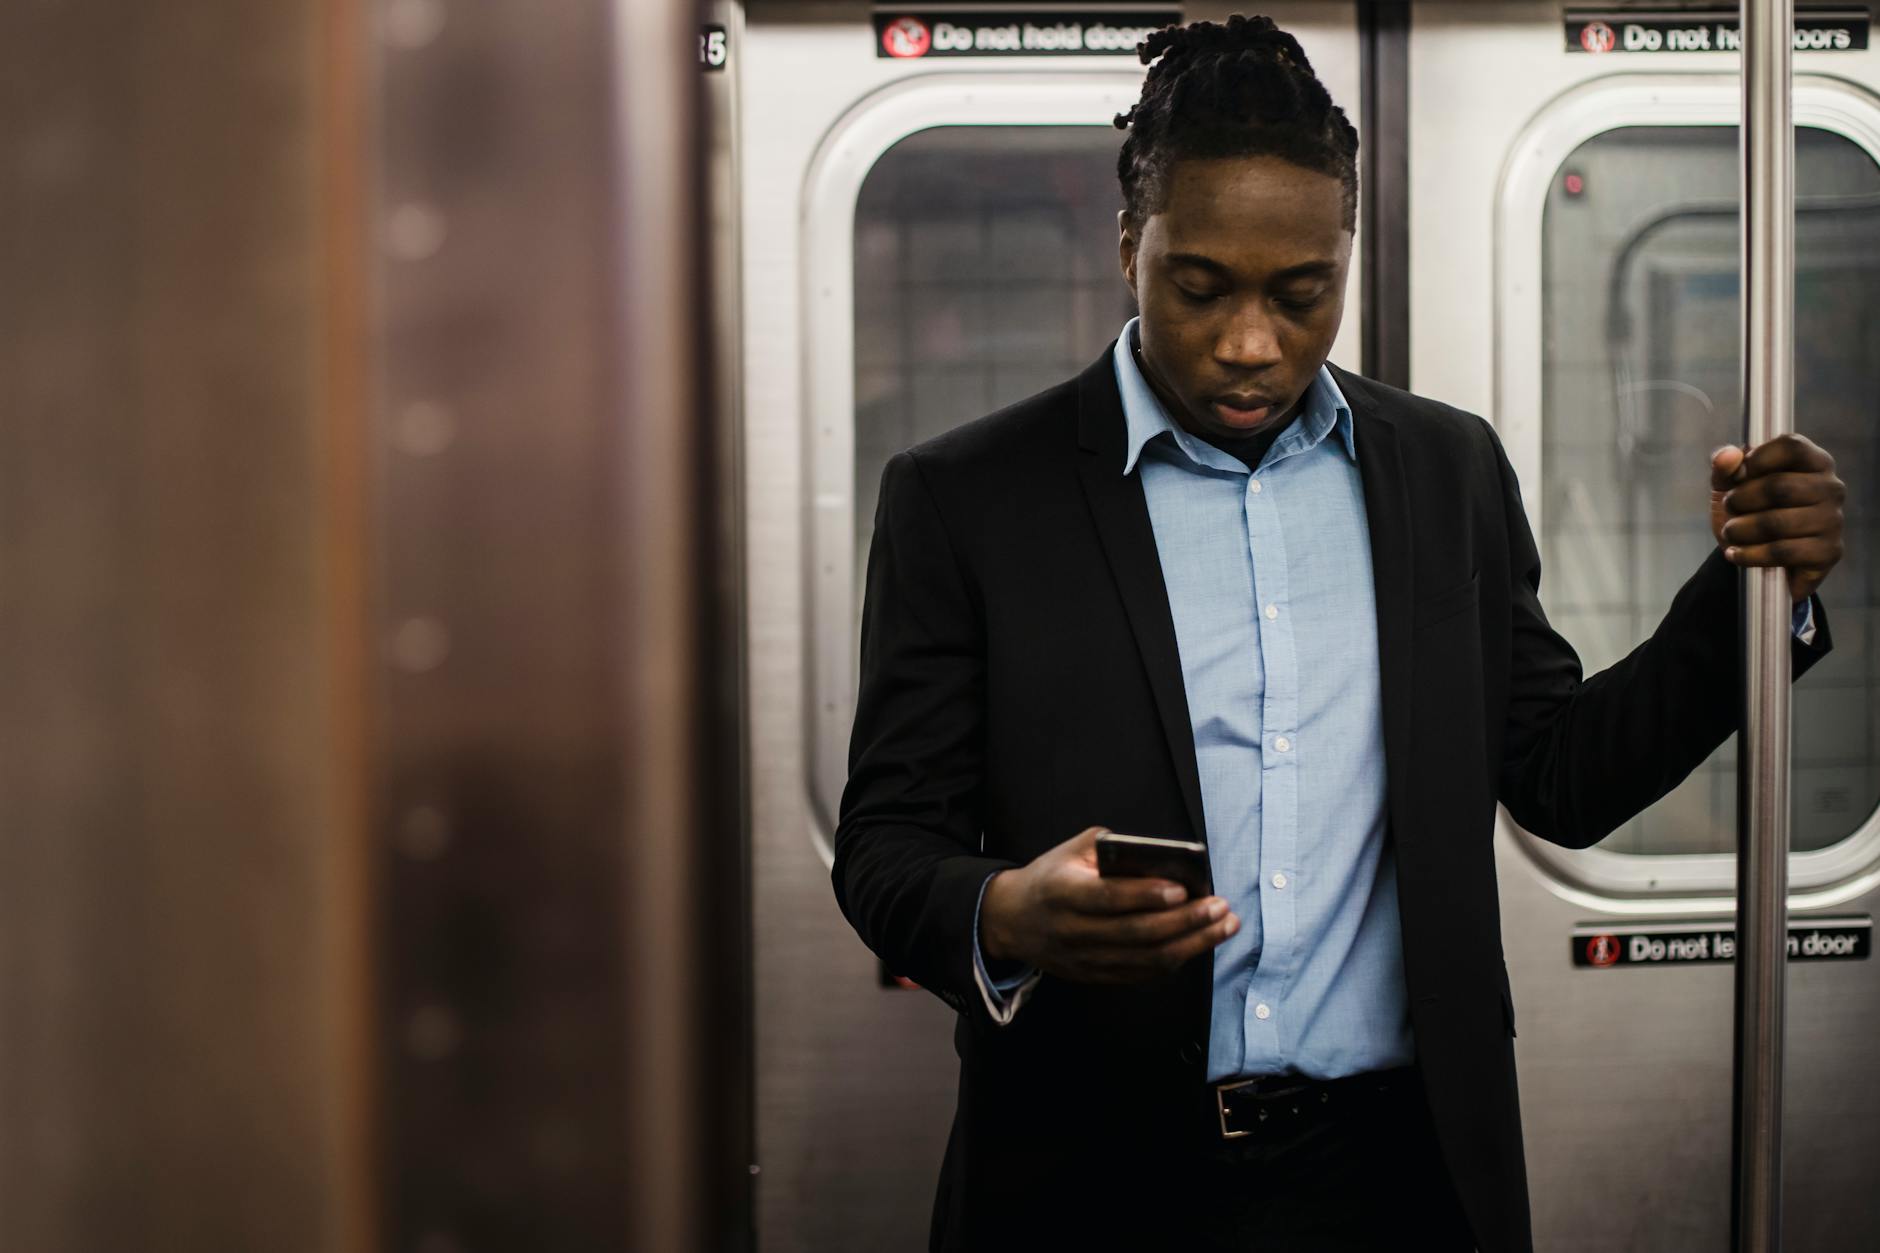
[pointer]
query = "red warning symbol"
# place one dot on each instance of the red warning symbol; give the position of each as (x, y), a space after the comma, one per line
(1597, 37)
(906, 37)
(1602, 950)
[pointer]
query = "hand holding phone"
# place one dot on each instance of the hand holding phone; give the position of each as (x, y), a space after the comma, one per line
(1136, 912)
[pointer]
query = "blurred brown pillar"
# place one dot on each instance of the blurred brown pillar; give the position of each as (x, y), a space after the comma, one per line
(556, 765)
(182, 901)
(687, 908)
(370, 782)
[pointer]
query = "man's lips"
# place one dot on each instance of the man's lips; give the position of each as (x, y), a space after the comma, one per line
(1241, 410)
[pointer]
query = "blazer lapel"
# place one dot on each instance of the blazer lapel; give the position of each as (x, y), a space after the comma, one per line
(1387, 510)
(1122, 519)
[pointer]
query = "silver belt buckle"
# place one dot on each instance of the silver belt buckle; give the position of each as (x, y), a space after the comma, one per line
(1220, 1100)
(1220, 1105)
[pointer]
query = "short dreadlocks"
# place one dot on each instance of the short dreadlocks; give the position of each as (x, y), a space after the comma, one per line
(1240, 90)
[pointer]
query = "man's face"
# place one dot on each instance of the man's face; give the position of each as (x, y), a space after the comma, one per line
(1240, 281)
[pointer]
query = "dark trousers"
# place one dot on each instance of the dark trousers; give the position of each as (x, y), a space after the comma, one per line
(1359, 1174)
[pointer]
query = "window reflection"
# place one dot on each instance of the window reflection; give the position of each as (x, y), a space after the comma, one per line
(985, 271)
(1640, 382)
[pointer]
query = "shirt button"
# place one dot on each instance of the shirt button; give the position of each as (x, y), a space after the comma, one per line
(1279, 880)
(1254, 487)
(1272, 611)
(1261, 1012)
(1282, 744)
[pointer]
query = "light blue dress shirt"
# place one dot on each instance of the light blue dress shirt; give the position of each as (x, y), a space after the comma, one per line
(1269, 584)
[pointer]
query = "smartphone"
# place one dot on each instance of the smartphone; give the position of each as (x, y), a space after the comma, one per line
(1150, 857)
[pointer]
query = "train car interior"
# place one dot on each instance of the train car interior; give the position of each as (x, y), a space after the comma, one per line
(443, 455)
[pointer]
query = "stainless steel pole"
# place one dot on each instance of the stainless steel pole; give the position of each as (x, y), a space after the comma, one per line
(1768, 191)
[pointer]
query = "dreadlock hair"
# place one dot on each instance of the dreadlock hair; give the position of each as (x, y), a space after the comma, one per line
(1240, 90)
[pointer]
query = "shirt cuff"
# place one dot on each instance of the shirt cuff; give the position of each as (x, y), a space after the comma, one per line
(1003, 996)
(1802, 623)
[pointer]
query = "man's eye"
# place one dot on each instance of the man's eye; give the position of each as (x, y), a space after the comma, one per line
(1299, 304)
(1197, 297)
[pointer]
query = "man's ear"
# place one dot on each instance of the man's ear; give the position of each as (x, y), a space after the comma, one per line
(1126, 247)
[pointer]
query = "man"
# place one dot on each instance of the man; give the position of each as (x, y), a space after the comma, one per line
(1215, 589)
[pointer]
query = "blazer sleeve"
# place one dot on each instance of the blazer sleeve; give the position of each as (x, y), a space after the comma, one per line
(1580, 756)
(907, 869)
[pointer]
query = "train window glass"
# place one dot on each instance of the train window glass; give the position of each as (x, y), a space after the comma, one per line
(985, 270)
(1640, 383)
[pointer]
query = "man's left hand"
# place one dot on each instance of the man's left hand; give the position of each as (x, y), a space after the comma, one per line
(1779, 506)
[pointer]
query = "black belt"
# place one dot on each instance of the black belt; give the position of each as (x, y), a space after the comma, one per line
(1247, 1105)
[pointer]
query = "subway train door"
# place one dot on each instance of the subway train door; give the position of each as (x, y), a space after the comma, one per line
(926, 236)
(1599, 334)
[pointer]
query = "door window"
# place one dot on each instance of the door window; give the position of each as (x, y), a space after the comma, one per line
(1640, 383)
(985, 271)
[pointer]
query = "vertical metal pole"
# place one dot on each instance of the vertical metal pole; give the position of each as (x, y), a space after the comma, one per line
(1768, 191)
(1384, 187)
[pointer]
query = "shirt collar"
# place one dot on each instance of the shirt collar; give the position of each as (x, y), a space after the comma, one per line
(1325, 411)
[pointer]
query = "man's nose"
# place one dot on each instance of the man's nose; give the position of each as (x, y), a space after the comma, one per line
(1250, 341)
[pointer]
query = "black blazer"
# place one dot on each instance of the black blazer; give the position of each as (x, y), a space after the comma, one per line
(1020, 682)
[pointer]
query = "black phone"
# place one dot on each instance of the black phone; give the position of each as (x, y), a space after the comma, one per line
(1151, 857)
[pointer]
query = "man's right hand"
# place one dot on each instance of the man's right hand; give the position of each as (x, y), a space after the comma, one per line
(1059, 915)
